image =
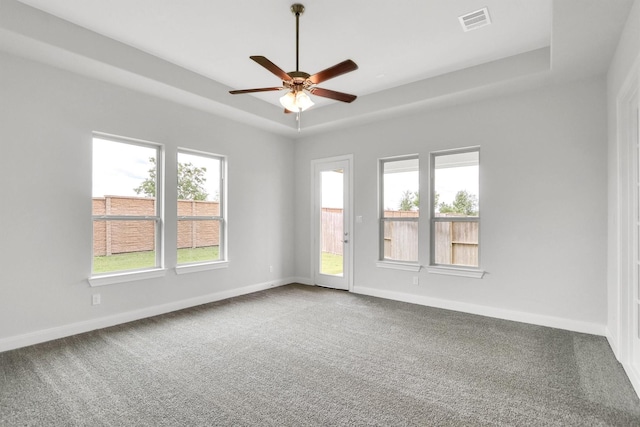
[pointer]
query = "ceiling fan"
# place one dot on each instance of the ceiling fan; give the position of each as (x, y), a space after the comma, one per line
(298, 82)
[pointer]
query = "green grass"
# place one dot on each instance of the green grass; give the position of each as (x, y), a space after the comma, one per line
(331, 264)
(188, 255)
(147, 259)
(121, 262)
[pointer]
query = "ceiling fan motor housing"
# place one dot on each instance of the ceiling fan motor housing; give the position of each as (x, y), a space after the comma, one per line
(299, 81)
(297, 8)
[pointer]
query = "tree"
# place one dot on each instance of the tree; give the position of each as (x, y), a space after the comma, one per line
(464, 203)
(405, 201)
(445, 208)
(148, 186)
(410, 201)
(191, 182)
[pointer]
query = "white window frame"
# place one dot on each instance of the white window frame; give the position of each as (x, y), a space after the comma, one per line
(222, 261)
(158, 270)
(382, 261)
(450, 269)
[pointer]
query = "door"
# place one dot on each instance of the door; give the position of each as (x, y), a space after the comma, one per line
(627, 307)
(332, 240)
(635, 226)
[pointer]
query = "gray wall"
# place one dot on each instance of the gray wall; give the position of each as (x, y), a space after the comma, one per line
(47, 117)
(542, 195)
(543, 191)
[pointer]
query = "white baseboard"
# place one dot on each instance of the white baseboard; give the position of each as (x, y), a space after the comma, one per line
(49, 334)
(303, 280)
(613, 343)
(517, 316)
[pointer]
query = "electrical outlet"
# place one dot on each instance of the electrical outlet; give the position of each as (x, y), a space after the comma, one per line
(416, 280)
(271, 269)
(95, 299)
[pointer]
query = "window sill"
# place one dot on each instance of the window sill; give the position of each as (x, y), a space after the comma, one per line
(111, 279)
(192, 268)
(394, 265)
(457, 271)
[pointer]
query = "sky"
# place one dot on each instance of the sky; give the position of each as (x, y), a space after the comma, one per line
(119, 168)
(448, 182)
(451, 180)
(395, 185)
(332, 195)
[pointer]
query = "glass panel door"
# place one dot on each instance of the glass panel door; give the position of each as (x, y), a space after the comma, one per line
(332, 220)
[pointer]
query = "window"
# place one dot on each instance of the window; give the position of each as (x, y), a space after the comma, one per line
(455, 219)
(201, 223)
(399, 209)
(126, 205)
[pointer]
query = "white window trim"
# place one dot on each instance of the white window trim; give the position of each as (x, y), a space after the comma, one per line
(158, 270)
(222, 262)
(449, 269)
(382, 261)
(456, 271)
(127, 276)
(399, 265)
(204, 266)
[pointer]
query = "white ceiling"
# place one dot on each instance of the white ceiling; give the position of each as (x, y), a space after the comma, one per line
(393, 42)
(412, 50)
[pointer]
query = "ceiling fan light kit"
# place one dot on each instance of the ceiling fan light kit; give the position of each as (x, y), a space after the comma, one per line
(298, 83)
(296, 101)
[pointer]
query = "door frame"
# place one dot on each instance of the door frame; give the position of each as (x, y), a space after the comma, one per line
(348, 219)
(627, 317)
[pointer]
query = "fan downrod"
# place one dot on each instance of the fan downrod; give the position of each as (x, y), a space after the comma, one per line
(297, 10)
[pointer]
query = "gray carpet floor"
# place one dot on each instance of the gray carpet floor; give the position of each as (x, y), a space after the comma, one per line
(308, 356)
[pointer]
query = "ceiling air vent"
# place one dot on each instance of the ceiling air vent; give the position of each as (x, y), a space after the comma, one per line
(475, 20)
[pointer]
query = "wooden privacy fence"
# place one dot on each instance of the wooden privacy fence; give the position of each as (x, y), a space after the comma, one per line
(401, 237)
(455, 243)
(202, 233)
(332, 229)
(112, 237)
(401, 241)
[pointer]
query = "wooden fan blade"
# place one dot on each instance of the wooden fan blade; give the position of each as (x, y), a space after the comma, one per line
(271, 67)
(262, 89)
(331, 72)
(338, 96)
(287, 111)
